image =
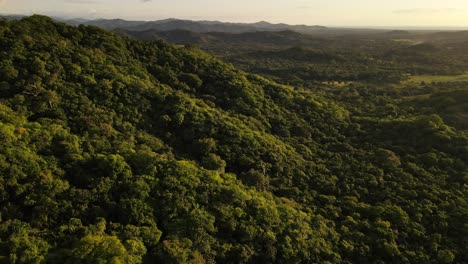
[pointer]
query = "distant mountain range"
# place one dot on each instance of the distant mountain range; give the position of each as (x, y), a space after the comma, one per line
(195, 26)
(180, 24)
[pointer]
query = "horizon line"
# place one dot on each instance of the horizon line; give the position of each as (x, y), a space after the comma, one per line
(376, 27)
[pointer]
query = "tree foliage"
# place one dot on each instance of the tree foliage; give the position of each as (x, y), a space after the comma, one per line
(123, 151)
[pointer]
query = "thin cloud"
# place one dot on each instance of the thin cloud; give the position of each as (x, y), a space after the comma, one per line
(82, 1)
(425, 11)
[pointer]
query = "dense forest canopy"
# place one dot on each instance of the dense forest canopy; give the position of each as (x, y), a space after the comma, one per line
(117, 150)
(330, 55)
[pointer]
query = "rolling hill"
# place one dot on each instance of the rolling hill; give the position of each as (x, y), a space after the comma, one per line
(198, 26)
(119, 150)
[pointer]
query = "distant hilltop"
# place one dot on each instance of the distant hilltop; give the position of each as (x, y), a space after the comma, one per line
(181, 24)
(196, 26)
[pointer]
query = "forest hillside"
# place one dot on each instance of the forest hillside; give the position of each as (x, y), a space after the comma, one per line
(116, 150)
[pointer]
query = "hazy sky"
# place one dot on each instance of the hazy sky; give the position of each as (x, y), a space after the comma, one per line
(311, 12)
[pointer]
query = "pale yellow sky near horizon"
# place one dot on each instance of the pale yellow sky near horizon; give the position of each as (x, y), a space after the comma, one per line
(425, 13)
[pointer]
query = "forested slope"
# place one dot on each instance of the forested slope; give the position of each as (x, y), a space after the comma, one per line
(123, 151)
(290, 57)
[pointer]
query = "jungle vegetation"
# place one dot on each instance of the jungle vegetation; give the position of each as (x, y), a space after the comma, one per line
(118, 150)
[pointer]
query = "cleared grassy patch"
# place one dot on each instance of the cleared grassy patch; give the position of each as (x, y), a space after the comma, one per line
(437, 78)
(338, 84)
(410, 41)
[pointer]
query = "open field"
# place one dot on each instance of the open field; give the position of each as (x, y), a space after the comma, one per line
(437, 78)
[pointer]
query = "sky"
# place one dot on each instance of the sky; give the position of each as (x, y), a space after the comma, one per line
(349, 13)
